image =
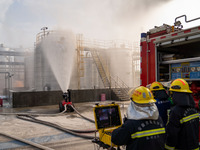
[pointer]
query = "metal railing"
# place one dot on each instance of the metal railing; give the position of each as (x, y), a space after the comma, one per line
(115, 83)
(118, 85)
(41, 35)
(106, 44)
(94, 46)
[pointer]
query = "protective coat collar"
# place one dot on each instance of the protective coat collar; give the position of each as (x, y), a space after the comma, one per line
(140, 112)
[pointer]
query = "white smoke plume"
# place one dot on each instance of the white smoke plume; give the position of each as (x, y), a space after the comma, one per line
(4, 6)
(21, 20)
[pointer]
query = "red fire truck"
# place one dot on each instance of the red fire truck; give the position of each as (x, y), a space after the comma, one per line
(171, 52)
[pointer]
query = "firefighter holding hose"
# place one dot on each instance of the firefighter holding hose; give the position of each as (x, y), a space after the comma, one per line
(143, 128)
(182, 131)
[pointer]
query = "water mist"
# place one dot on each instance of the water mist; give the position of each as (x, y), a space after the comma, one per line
(59, 49)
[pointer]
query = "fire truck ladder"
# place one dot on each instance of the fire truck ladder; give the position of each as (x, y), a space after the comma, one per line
(115, 83)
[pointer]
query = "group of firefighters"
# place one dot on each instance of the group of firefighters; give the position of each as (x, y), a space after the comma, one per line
(158, 120)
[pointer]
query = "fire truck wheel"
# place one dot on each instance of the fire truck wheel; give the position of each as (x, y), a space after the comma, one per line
(61, 107)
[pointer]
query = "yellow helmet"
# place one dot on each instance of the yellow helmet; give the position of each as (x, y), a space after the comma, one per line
(142, 95)
(180, 85)
(156, 86)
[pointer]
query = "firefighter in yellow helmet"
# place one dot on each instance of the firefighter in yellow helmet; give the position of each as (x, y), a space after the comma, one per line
(182, 131)
(143, 128)
(162, 100)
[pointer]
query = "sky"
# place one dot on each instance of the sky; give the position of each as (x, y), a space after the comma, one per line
(22, 20)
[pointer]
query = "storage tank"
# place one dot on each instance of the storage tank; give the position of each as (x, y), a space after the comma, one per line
(44, 78)
(119, 63)
(91, 78)
(54, 60)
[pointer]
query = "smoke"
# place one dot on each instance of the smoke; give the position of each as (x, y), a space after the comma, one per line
(99, 19)
(130, 10)
(4, 6)
(21, 20)
(133, 17)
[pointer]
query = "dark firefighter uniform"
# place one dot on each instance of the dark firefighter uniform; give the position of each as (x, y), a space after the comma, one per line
(182, 130)
(162, 100)
(163, 105)
(143, 129)
(140, 135)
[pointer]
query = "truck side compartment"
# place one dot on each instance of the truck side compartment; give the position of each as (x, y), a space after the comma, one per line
(172, 55)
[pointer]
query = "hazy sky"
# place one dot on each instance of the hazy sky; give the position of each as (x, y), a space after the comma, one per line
(21, 20)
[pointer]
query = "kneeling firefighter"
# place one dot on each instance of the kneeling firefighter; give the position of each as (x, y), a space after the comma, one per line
(162, 100)
(143, 128)
(182, 131)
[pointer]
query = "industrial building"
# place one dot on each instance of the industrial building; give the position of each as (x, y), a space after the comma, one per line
(118, 58)
(15, 71)
(61, 60)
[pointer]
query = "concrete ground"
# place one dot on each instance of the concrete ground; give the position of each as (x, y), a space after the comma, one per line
(48, 136)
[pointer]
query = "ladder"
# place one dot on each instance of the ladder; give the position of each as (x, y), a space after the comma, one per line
(100, 68)
(115, 83)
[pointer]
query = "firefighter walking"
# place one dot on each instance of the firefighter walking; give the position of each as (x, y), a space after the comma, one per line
(143, 128)
(182, 131)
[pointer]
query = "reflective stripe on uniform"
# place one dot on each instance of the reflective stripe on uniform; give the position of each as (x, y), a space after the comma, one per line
(188, 118)
(148, 133)
(196, 148)
(169, 147)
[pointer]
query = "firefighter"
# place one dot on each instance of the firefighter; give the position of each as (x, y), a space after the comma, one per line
(162, 100)
(183, 127)
(143, 128)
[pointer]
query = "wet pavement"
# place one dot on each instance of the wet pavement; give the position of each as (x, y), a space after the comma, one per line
(49, 136)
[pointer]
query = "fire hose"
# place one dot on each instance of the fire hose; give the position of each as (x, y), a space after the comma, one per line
(71, 131)
(26, 142)
(29, 117)
(82, 115)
